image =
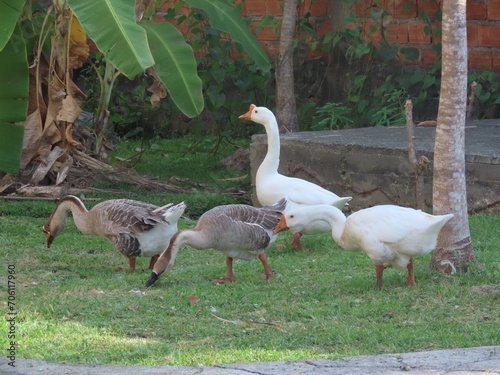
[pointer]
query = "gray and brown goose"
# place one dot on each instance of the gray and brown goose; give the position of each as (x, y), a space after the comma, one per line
(136, 229)
(237, 230)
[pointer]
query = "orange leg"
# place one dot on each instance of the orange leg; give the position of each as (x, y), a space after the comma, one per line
(230, 277)
(153, 260)
(296, 241)
(267, 270)
(131, 263)
(379, 270)
(411, 275)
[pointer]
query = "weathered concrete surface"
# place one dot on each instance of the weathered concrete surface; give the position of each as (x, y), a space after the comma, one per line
(477, 361)
(371, 164)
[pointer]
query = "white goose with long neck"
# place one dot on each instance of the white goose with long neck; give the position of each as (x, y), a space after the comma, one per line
(271, 186)
(390, 235)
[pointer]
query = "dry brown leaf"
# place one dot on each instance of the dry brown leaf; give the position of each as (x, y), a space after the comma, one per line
(47, 161)
(158, 91)
(140, 8)
(70, 110)
(32, 135)
(193, 299)
(96, 291)
(78, 47)
(63, 170)
(241, 322)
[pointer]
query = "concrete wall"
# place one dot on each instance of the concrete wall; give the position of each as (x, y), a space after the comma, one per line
(372, 166)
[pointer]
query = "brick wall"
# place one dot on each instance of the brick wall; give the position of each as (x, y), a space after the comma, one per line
(318, 11)
(404, 26)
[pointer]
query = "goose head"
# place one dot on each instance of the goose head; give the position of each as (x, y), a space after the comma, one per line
(290, 221)
(51, 230)
(260, 115)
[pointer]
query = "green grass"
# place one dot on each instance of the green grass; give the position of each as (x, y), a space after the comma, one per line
(323, 302)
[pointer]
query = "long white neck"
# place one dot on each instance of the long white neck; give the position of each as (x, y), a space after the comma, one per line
(330, 214)
(271, 162)
(79, 212)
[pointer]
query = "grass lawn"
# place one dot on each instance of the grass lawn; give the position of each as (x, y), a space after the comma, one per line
(77, 302)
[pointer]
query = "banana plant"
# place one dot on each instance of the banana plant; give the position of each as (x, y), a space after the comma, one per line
(14, 87)
(130, 48)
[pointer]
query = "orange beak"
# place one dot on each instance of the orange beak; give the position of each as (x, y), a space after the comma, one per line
(281, 225)
(50, 237)
(248, 115)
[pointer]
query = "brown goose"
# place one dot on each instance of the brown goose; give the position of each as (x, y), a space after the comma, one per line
(137, 229)
(237, 230)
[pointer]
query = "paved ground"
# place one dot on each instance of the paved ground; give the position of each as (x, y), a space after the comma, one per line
(473, 361)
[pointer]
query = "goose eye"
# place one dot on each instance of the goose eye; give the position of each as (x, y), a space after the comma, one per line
(256, 111)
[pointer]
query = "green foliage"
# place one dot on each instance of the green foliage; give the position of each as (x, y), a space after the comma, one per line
(13, 95)
(376, 94)
(229, 77)
(331, 116)
(487, 91)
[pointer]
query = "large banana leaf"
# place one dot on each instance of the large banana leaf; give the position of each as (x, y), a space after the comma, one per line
(9, 13)
(175, 66)
(111, 25)
(226, 17)
(13, 101)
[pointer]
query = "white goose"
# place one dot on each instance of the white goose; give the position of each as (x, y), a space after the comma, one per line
(135, 228)
(237, 230)
(389, 235)
(271, 186)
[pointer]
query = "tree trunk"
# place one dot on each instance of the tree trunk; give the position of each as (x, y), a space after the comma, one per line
(286, 110)
(454, 248)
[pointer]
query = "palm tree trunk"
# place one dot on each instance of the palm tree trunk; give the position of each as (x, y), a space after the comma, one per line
(286, 111)
(454, 248)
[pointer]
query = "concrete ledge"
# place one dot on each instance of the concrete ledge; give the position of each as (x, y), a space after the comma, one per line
(371, 164)
(478, 361)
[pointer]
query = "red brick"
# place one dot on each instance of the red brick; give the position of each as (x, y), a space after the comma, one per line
(254, 8)
(316, 54)
(267, 33)
(372, 36)
(165, 5)
(476, 10)
(405, 9)
(495, 57)
(437, 36)
(274, 7)
(480, 60)
(493, 10)
(416, 33)
(472, 39)
(315, 8)
(429, 6)
(396, 33)
(428, 56)
(361, 9)
(324, 27)
(489, 35)
(388, 5)
(272, 49)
